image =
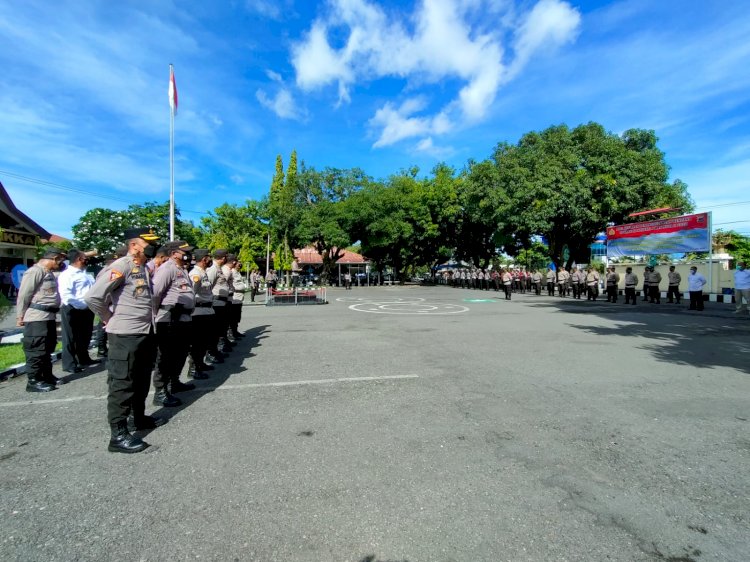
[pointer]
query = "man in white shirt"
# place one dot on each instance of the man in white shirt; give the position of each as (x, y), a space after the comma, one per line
(76, 320)
(696, 281)
(741, 287)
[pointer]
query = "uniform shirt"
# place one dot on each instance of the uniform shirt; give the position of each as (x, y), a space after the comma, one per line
(38, 286)
(696, 282)
(551, 276)
(227, 271)
(613, 279)
(563, 276)
(654, 278)
(631, 280)
(575, 276)
(202, 290)
(742, 279)
(73, 284)
(255, 278)
(536, 277)
(128, 284)
(507, 278)
(172, 286)
(239, 287)
(592, 278)
(674, 278)
(219, 285)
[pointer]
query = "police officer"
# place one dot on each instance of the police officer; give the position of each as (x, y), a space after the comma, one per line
(238, 283)
(203, 315)
(132, 345)
(536, 280)
(654, 279)
(174, 302)
(631, 282)
(563, 279)
(220, 287)
(575, 281)
(37, 306)
(646, 287)
(674, 285)
(551, 280)
(592, 284)
(612, 280)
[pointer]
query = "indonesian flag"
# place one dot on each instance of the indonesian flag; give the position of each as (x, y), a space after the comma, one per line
(172, 90)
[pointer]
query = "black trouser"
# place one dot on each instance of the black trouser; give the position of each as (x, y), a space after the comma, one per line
(593, 292)
(611, 293)
(655, 293)
(101, 339)
(696, 300)
(254, 291)
(674, 291)
(129, 364)
(173, 342)
(221, 325)
(538, 288)
(507, 290)
(76, 326)
(235, 315)
(562, 289)
(200, 337)
(646, 291)
(39, 341)
(550, 288)
(630, 294)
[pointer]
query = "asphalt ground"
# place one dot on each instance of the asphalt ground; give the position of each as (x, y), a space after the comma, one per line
(388, 428)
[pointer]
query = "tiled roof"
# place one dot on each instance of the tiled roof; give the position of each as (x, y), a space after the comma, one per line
(310, 256)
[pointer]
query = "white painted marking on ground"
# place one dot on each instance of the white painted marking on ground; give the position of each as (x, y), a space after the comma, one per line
(222, 387)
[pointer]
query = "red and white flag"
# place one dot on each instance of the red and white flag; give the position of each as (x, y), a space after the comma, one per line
(172, 90)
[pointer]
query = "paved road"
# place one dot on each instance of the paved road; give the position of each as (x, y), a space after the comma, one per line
(388, 428)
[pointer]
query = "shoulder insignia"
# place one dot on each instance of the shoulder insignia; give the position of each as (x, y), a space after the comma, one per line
(196, 278)
(135, 270)
(114, 274)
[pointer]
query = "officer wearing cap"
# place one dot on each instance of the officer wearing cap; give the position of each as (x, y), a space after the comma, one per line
(220, 288)
(174, 302)
(37, 305)
(203, 315)
(132, 346)
(236, 294)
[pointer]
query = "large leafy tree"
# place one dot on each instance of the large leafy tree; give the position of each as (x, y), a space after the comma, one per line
(241, 229)
(102, 229)
(566, 185)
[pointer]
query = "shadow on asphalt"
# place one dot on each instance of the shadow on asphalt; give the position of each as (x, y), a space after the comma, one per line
(679, 336)
(222, 371)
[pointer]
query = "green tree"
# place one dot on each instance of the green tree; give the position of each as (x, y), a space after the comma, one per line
(240, 229)
(566, 185)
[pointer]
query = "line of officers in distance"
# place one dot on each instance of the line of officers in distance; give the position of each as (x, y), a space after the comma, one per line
(577, 282)
(183, 303)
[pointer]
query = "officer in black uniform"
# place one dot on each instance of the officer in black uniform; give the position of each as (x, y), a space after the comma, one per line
(132, 346)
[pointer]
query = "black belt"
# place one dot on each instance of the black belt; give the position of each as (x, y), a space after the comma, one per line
(176, 307)
(44, 307)
(203, 304)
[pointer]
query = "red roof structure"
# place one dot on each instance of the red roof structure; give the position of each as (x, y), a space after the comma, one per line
(310, 256)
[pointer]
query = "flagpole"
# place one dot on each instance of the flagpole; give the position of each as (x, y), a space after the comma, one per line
(171, 161)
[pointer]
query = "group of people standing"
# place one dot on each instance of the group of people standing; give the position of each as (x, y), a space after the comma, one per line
(159, 307)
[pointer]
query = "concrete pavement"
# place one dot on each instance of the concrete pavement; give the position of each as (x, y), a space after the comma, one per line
(408, 424)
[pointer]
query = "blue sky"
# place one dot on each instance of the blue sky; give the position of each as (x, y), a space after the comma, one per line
(382, 85)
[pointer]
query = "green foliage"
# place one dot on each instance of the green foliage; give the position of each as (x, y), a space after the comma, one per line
(735, 244)
(566, 185)
(241, 230)
(102, 229)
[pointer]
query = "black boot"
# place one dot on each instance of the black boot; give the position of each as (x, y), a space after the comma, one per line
(196, 373)
(122, 441)
(164, 398)
(237, 335)
(142, 421)
(34, 385)
(230, 337)
(214, 358)
(179, 386)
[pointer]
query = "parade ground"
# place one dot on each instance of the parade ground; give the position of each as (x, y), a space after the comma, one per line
(408, 424)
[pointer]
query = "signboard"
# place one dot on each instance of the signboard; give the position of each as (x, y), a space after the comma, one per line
(18, 238)
(679, 235)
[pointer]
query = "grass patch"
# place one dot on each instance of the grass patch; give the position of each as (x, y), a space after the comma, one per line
(12, 354)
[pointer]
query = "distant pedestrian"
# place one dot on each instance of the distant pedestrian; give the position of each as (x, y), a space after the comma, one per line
(654, 279)
(696, 281)
(613, 279)
(673, 290)
(592, 284)
(741, 287)
(631, 282)
(76, 320)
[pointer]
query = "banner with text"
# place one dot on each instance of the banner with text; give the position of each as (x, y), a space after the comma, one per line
(688, 233)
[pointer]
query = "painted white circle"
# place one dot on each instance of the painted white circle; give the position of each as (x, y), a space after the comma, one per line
(407, 308)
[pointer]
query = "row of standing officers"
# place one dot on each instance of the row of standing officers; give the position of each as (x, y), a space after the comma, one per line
(183, 304)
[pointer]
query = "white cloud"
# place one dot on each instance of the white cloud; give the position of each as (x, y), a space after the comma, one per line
(268, 8)
(451, 39)
(282, 104)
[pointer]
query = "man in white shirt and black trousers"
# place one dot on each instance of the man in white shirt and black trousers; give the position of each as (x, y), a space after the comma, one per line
(76, 320)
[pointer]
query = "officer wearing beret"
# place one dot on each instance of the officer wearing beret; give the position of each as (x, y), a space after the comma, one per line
(203, 315)
(174, 302)
(132, 346)
(36, 308)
